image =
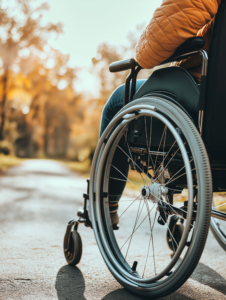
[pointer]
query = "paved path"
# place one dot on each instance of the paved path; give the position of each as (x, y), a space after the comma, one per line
(36, 201)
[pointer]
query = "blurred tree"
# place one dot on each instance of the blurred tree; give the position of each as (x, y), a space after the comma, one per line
(43, 114)
(22, 31)
(53, 104)
(106, 54)
(42, 105)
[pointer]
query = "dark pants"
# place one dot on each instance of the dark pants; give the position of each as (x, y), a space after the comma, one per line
(116, 187)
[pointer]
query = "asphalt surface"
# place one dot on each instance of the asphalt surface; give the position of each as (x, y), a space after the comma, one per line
(37, 199)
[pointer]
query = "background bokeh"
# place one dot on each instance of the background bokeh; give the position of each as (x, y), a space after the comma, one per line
(54, 74)
(54, 77)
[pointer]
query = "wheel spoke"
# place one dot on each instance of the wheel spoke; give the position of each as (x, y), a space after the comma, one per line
(137, 218)
(179, 171)
(164, 149)
(141, 177)
(130, 200)
(159, 147)
(153, 242)
(150, 239)
(129, 157)
(164, 143)
(167, 164)
(166, 156)
(137, 227)
(170, 233)
(129, 206)
(123, 180)
(136, 164)
(125, 177)
(149, 154)
(133, 164)
(148, 145)
(178, 177)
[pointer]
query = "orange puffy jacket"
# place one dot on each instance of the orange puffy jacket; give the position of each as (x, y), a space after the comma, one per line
(172, 24)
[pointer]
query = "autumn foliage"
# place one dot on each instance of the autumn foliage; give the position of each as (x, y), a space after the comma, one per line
(41, 114)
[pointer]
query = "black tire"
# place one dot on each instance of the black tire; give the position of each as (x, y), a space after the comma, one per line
(74, 253)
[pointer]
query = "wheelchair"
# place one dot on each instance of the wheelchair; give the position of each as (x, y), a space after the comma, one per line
(171, 137)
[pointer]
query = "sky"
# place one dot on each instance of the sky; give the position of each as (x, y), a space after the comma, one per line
(88, 23)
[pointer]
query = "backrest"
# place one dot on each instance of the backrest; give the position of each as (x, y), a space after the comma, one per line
(178, 84)
(214, 130)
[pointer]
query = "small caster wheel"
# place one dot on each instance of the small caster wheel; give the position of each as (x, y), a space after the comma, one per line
(74, 252)
(174, 233)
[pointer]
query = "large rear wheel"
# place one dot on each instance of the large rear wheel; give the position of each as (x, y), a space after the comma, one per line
(167, 162)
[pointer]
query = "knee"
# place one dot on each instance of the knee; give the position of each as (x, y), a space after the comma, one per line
(115, 102)
(117, 96)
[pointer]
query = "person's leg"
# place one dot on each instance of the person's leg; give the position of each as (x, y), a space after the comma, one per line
(121, 166)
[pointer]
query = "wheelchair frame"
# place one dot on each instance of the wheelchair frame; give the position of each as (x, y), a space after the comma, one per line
(136, 68)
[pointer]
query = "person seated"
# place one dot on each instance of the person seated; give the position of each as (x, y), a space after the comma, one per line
(172, 24)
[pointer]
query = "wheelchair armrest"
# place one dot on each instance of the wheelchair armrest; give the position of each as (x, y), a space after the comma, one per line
(192, 44)
(188, 48)
(123, 65)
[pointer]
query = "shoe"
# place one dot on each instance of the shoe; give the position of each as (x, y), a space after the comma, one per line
(114, 218)
(114, 221)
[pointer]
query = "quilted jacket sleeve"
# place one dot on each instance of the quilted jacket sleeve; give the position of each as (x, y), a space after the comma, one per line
(172, 24)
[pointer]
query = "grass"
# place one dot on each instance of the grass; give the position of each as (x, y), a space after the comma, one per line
(7, 161)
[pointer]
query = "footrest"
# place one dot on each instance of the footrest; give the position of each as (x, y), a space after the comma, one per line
(84, 218)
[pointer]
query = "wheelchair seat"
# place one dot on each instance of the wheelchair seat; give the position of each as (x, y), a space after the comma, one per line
(175, 84)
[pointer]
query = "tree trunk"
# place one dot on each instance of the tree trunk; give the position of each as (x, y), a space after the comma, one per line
(5, 77)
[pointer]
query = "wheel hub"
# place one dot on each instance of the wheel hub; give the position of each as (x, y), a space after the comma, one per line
(153, 192)
(145, 192)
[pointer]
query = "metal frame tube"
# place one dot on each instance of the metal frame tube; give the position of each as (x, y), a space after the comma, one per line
(218, 215)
